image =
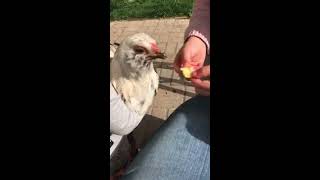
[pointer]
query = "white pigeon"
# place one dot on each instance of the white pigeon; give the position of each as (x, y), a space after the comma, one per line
(132, 73)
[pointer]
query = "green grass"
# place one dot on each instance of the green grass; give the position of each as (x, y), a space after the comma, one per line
(123, 9)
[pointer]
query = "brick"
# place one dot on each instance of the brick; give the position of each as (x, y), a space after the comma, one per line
(133, 28)
(166, 73)
(149, 30)
(157, 66)
(162, 46)
(157, 63)
(177, 26)
(177, 84)
(118, 24)
(179, 46)
(176, 77)
(151, 22)
(160, 113)
(127, 33)
(164, 28)
(161, 22)
(170, 111)
(184, 22)
(166, 98)
(135, 23)
(156, 36)
(120, 39)
(171, 50)
(167, 65)
(178, 87)
(149, 110)
(186, 98)
(176, 35)
(169, 22)
(190, 89)
(164, 37)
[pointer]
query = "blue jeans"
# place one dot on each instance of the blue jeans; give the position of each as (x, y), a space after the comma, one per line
(180, 149)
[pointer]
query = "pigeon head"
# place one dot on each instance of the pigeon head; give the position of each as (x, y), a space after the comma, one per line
(138, 51)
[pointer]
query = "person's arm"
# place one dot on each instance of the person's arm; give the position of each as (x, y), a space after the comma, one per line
(122, 120)
(199, 25)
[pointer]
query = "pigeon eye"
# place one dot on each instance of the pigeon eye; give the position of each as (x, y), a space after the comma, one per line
(139, 50)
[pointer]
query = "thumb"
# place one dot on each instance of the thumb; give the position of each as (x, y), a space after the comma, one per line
(202, 72)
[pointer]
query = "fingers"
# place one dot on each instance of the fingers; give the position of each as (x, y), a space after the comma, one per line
(198, 83)
(202, 72)
(183, 59)
(202, 87)
(192, 54)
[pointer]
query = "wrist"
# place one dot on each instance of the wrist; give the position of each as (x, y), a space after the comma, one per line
(196, 41)
(198, 35)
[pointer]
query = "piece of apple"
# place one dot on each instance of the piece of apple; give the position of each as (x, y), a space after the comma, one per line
(186, 72)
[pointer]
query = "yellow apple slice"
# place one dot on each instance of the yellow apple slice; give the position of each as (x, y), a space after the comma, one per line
(186, 72)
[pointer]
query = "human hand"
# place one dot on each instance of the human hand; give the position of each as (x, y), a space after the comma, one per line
(192, 54)
(201, 80)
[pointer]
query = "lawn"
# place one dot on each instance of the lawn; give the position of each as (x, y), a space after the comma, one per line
(136, 9)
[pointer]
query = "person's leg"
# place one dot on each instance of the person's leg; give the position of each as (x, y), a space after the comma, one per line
(180, 149)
